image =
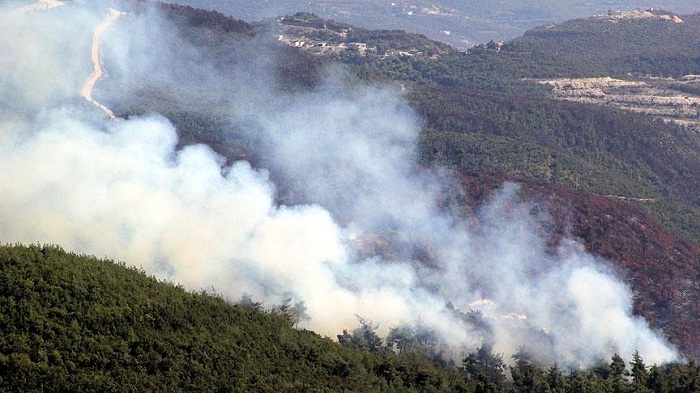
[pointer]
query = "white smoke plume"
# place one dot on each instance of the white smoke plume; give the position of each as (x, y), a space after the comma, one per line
(371, 238)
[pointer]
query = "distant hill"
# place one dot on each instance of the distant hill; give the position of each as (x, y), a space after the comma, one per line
(641, 43)
(461, 24)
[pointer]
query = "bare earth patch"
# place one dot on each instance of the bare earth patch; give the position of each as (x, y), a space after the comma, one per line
(664, 98)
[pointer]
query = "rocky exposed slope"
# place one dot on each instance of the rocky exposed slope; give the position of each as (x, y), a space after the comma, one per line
(670, 99)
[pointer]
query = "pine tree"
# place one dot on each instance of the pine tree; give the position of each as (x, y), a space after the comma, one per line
(618, 372)
(639, 372)
(656, 380)
(485, 365)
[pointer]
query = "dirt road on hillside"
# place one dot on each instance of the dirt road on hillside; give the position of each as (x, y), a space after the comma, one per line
(98, 72)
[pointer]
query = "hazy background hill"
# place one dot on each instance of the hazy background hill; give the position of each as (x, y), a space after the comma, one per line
(459, 23)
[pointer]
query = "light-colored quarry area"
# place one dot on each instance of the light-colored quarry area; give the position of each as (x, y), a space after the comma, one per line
(615, 16)
(673, 100)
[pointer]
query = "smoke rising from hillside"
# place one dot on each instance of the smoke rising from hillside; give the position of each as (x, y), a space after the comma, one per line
(371, 239)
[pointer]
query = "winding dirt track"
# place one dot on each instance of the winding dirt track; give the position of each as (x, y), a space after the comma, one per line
(100, 29)
(97, 72)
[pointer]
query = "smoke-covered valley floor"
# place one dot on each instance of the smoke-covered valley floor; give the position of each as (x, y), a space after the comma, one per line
(375, 235)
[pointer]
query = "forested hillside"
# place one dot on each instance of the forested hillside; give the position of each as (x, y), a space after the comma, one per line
(641, 43)
(76, 323)
(483, 116)
(486, 113)
(601, 150)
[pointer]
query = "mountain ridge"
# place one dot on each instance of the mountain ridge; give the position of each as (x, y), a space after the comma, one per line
(460, 24)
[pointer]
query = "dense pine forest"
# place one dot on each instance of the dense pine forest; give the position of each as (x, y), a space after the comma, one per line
(78, 323)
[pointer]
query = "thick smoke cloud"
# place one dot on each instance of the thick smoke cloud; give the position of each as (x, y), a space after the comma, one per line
(371, 238)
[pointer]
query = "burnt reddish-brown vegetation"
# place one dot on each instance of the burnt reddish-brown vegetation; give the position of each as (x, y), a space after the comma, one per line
(662, 269)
